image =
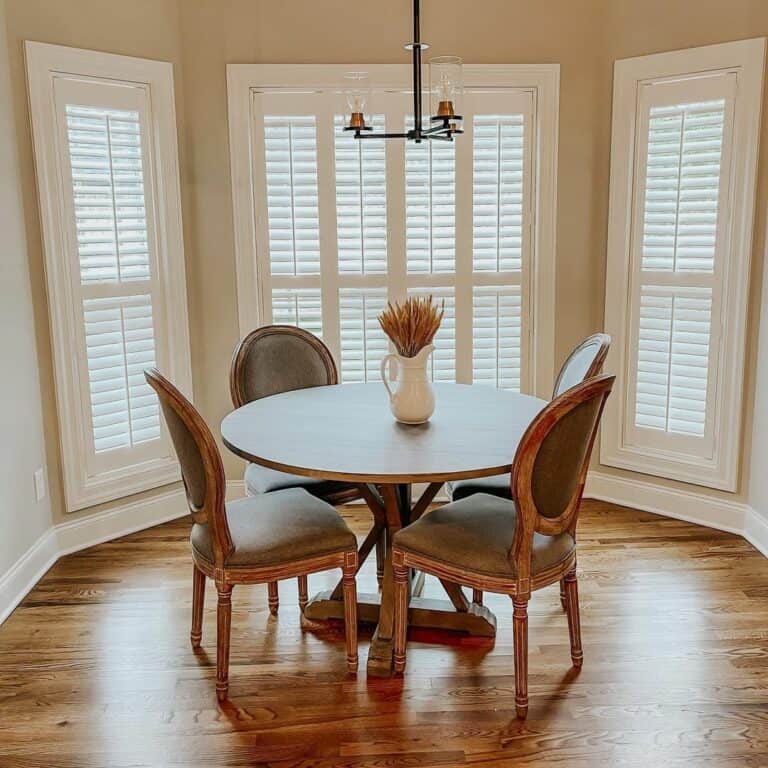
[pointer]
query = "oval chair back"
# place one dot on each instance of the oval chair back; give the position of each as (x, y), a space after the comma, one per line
(584, 362)
(201, 467)
(279, 358)
(550, 466)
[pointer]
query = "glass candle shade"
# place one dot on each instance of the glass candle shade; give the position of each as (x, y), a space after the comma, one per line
(446, 86)
(357, 90)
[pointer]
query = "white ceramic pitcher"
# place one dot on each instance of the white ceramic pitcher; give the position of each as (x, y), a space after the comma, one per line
(412, 401)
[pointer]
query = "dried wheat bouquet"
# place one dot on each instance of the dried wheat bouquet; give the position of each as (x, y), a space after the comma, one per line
(413, 324)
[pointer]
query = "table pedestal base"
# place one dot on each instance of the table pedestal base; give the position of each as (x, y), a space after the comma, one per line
(423, 612)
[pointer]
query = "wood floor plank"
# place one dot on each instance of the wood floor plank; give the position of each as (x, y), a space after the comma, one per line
(96, 669)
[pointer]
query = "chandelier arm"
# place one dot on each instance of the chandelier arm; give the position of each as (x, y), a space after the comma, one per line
(383, 136)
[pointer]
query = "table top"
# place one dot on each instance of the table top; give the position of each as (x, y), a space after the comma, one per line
(347, 432)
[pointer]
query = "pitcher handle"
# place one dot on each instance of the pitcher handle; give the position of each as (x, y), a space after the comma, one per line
(384, 361)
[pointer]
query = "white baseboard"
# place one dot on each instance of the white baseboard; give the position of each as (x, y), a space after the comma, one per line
(756, 531)
(72, 536)
(26, 572)
(690, 506)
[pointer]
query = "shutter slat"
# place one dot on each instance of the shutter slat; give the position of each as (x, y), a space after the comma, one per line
(361, 200)
(106, 161)
(684, 155)
(120, 344)
(290, 147)
(497, 192)
(298, 306)
(673, 359)
(363, 343)
(496, 336)
(430, 205)
(442, 362)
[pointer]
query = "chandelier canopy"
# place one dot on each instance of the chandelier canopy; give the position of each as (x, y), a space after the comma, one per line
(446, 87)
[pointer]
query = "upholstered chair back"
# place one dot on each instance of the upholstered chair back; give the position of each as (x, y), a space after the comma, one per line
(201, 467)
(279, 358)
(584, 362)
(551, 463)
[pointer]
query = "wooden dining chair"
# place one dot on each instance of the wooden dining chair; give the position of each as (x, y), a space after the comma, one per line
(270, 360)
(514, 547)
(584, 362)
(252, 540)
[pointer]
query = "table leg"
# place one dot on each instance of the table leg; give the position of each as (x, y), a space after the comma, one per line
(390, 505)
(380, 656)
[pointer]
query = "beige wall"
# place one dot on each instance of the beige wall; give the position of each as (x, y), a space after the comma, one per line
(22, 450)
(201, 36)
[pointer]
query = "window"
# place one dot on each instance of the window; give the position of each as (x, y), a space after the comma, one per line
(683, 170)
(105, 146)
(329, 228)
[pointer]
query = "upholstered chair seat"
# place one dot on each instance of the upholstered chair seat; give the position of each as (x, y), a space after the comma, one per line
(287, 525)
(476, 534)
(260, 480)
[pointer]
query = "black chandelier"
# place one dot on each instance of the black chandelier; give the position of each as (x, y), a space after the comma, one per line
(446, 87)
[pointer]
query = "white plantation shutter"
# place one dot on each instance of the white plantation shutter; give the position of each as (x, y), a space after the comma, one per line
(290, 150)
(113, 246)
(298, 306)
(682, 190)
(682, 269)
(361, 200)
(363, 343)
(430, 205)
(442, 362)
(501, 248)
(497, 192)
(496, 336)
(120, 345)
(388, 219)
(673, 352)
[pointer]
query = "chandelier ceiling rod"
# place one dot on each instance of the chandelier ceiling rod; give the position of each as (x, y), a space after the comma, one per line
(416, 72)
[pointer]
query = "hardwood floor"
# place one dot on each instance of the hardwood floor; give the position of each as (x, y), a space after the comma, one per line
(96, 668)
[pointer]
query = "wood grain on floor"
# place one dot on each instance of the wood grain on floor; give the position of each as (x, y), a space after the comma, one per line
(96, 667)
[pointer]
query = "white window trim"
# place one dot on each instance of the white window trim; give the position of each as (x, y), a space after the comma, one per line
(45, 63)
(746, 59)
(543, 79)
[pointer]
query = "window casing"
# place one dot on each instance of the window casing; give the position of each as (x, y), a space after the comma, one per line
(362, 222)
(106, 158)
(683, 166)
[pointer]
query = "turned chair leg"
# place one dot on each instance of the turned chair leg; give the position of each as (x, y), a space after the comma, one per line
(477, 596)
(401, 616)
(350, 610)
(563, 602)
(198, 602)
(274, 598)
(574, 620)
(520, 636)
(303, 593)
(223, 630)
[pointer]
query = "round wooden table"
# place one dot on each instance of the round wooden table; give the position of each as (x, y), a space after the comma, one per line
(346, 432)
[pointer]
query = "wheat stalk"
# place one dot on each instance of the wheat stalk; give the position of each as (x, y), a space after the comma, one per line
(413, 324)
